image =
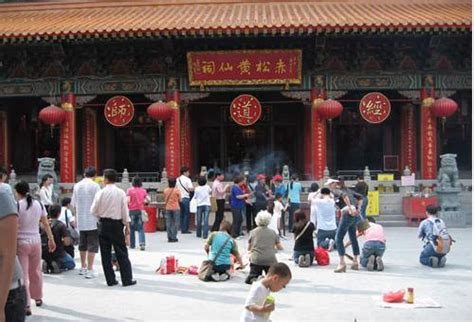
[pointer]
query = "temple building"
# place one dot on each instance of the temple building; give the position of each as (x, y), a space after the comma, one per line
(234, 84)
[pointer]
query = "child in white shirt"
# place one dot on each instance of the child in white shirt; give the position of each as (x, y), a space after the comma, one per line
(259, 304)
(278, 209)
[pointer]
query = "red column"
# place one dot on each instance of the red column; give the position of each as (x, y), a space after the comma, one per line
(172, 136)
(318, 134)
(428, 132)
(186, 152)
(308, 164)
(408, 138)
(67, 153)
(4, 150)
(89, 139)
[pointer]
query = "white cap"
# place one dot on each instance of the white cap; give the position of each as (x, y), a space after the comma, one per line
(331, 181)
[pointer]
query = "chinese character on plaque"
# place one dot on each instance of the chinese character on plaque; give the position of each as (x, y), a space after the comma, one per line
(119, 111)
(245, 110)
(375, 107)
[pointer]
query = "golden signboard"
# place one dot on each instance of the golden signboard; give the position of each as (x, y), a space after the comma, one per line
(374, 203)
(385, 177)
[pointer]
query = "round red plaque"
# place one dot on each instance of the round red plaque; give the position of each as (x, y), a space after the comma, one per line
(245, 110)
(375, 107)
(119, 111)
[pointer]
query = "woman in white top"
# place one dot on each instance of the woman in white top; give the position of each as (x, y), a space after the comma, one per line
(46, 190)
(312, 196)
(202, 197)
(67, 218)
(30, 213)
(326, 219)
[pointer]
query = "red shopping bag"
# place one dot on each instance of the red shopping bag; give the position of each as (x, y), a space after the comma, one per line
(322, 256)
(169, 265)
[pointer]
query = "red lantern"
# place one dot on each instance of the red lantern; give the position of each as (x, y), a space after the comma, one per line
(52, 115)
(444, 107)
(159, 111)
(329, 109)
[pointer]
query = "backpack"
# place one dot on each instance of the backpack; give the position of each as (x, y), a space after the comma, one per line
(440, 239)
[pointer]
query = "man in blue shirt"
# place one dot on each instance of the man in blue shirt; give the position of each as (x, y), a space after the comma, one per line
(429, 256)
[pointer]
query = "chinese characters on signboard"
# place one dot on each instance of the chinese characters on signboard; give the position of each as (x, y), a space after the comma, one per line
(428, 143)
(244, 67)
(245, 110)
(119, 111)
(375, 107)
(408, 138)
(90, 138)
(68, 150)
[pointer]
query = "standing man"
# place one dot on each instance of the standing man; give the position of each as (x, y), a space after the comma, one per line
(12, 291)
(218, 192)
(262, 194)
(362, 188)
(185, 187)
(82, 197)
(110, 206)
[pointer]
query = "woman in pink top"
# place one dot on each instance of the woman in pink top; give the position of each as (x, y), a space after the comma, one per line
(374, 245)
(137, 197)
(30, 213)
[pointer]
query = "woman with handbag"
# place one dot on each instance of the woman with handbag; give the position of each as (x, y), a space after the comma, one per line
(137, 197)
(172, 196)
(303, 251)
(68, 218)
(219, 247)
(30, 213)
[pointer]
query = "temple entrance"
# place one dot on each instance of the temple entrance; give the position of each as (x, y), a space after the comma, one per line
(357, 143)
(138, 146)
(275, 140)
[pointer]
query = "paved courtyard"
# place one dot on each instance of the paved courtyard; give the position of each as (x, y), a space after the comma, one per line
(314, 294)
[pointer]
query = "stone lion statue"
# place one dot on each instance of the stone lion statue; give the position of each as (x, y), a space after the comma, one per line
(448, 176)
(46, 166)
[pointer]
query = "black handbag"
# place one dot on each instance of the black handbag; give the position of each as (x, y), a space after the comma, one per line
(72, 232)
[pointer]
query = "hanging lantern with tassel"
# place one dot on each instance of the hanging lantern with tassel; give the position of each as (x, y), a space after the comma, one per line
(443, 107)
(329, 109)
(52, 115)
(159, 111)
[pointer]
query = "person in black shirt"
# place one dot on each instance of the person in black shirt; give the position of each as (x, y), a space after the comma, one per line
(59, 259)
(362, 188)
(303, 251)
(262, 194)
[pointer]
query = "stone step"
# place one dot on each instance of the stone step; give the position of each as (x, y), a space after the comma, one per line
(392, 217)
(393, 223)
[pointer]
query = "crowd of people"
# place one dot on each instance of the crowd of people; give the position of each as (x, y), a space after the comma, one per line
(108, 218)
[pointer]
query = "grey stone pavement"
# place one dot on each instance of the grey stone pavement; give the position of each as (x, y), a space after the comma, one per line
(314, 294)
